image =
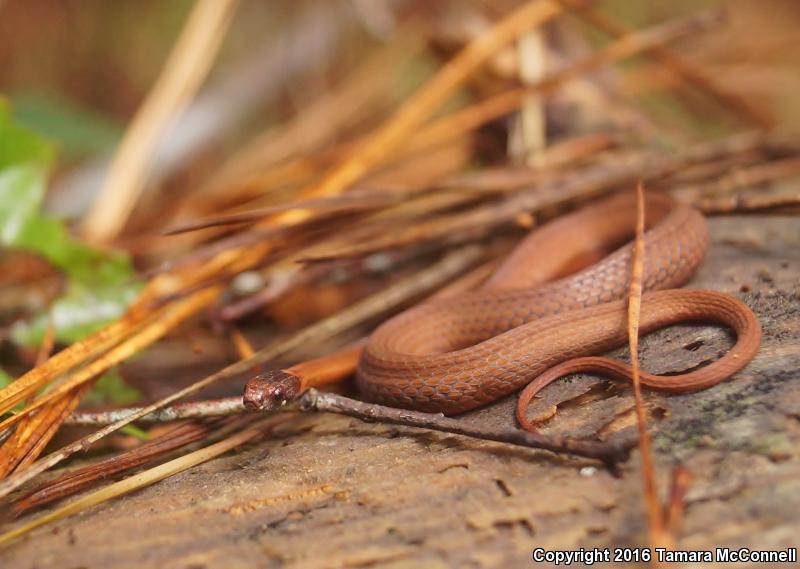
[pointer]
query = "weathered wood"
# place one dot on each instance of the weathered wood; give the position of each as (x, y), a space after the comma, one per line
(331, 491)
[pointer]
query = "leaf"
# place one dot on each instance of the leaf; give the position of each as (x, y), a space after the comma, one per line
(136, 432)
(80, 132)
(111, 388)
(19, 145)
(5, 379)
(21, 189)
(78, 313)
(100, 285)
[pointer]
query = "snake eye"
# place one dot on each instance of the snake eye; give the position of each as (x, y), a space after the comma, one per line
(278, 396)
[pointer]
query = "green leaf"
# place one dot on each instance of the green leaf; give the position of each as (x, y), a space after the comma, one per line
(135, 431)
(100, 285)
(21, 194)
(76, 314)
(111, 388)
(5, 379)
(80, 131)
(19, 145)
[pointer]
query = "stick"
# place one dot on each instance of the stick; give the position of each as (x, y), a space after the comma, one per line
(313, 400)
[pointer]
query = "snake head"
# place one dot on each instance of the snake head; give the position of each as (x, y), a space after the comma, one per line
(271, 390)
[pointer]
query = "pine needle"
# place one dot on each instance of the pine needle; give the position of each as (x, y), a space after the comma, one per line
(145, 478)
(77, 480)
(655, 518)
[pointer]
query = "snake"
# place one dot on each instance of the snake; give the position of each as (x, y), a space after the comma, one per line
(524, 327)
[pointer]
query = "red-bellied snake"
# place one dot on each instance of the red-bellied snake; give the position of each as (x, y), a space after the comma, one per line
(455, 354)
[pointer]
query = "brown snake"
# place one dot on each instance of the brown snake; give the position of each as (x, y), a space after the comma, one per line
(456, 354)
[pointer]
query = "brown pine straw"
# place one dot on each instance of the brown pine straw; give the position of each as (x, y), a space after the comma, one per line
(34, 432)
(688, 72)
(431, 96)
(548, 191)
(679, 487)
(30, 438)
(75, 481)
(487, 181)
(148, 477)
(471, 117)
(317, 124)
(398, 128)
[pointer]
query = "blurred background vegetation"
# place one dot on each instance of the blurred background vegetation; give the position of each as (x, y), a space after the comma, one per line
(77, 70)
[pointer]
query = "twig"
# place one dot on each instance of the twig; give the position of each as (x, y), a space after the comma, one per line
(744, 203)
(733, 179)
(313, 400)
(189, 410)
(353, 200)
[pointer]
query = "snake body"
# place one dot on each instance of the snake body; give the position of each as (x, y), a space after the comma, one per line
(455, 354)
